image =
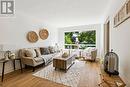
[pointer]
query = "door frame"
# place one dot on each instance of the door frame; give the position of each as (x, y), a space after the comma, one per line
(107, 36)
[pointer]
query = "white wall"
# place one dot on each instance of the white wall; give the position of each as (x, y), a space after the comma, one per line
(96, 27)
(13, 31)
(119, 41)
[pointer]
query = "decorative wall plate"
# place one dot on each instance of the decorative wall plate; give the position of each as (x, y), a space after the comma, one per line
(43, 34)
(32, 37)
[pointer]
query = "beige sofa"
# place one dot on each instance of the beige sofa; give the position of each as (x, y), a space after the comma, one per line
(35, 56)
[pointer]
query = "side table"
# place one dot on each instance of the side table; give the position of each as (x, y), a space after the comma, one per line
(3, 67)
(3, 62)
(19, 63)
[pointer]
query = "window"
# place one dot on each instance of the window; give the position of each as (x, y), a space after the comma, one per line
(81, 40)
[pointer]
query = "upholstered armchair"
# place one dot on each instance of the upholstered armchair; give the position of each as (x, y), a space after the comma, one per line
(91, 55)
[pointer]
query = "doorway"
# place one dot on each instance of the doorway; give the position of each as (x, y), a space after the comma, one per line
(107, 36)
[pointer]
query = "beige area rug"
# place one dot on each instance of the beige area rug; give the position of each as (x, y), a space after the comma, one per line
(71, 78)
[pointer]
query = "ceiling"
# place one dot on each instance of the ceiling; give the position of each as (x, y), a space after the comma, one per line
(64, 13)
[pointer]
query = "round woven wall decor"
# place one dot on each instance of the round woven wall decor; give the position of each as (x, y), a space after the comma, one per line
(43, 34)
(32, 37)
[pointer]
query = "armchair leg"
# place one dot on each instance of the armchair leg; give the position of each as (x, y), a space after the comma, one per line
(33, 69)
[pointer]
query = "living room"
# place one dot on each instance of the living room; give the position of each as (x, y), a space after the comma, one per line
(58, 17)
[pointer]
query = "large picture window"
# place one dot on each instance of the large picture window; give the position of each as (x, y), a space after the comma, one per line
(81, 40)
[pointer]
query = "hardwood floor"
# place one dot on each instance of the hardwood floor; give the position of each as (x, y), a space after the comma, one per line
(89, 78)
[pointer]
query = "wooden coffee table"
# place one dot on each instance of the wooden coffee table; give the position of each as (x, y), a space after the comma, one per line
(63, 63)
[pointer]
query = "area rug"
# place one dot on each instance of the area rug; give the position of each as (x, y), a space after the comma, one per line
(70, 78)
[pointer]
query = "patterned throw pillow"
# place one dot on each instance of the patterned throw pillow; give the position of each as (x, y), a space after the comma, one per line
(51, 49)
(44, 51)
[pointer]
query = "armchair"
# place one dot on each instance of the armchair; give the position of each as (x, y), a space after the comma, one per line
(90, 56)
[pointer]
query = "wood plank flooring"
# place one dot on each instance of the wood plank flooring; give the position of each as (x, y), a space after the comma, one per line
(89, 78)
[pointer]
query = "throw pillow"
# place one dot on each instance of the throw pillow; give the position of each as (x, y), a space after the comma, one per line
(44, 51)
(38, 54)
(30, 53)
(51, 49)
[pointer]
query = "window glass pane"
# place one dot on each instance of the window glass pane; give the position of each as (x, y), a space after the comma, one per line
(81, 40)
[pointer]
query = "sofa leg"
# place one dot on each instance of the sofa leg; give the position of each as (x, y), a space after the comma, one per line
(43, 64)
(25, 66)
(33, 69)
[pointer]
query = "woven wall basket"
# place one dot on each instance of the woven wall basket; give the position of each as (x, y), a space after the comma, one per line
(32, 37)
(43, 33)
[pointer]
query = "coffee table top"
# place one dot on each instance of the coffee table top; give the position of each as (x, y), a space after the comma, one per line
(61, 58)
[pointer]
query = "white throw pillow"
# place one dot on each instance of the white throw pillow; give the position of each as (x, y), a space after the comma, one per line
(30, 53)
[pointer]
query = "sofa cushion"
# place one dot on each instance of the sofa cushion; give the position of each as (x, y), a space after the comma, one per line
(30, 53)
(41, 50)
(38, 53)
(38, 59)
(44, 51)
(47, 57)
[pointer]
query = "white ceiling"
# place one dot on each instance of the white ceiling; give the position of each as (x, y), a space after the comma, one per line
(64, 13)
